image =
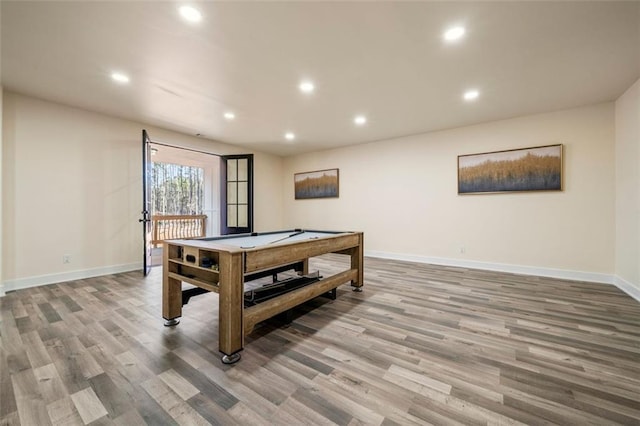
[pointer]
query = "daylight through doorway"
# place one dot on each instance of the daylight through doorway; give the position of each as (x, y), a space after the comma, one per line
(185, 195)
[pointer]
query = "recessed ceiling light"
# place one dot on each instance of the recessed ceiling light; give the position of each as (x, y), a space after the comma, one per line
(471, 95)
(453, 34)
(119, 77)
(360, 120)
(229, 115)
(191, 14)
(289, 136)
(307, 87)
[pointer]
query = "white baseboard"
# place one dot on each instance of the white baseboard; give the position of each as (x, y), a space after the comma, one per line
(21, 283)
(627, 287)
(500, 267)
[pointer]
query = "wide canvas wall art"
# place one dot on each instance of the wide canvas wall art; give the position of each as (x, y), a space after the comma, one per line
(528, 169)
(317, 184)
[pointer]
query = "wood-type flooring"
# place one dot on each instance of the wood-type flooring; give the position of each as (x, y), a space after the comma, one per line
(422, 344)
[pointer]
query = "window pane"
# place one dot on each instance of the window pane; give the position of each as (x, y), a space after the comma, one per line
(238, 194)
(232, 168)
(232, 215)
(243, 192)
(243, 217)
(232, 193)
(242, 169)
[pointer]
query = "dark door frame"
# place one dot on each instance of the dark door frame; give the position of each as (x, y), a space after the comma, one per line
(146, 194)
(146, 203)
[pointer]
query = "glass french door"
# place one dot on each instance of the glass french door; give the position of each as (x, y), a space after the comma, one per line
(236, 194)
(146, 202)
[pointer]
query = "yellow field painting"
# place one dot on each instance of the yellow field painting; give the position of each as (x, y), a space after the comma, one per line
(319, 184)
(530, 169)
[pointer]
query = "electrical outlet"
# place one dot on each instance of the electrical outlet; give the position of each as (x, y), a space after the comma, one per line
(462, 250)
(66, 258)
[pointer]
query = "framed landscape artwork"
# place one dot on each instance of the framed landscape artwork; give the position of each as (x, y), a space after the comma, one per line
(318, 184)
(527, 169)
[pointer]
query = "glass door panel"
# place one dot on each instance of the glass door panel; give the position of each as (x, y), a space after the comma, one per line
(238, 196)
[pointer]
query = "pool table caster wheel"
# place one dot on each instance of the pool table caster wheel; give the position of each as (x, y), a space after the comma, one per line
(357, 289)
(171, 322)
(230, 359)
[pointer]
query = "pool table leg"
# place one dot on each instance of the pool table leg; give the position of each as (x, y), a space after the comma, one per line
(231, 306)
(171, 295)
(357, 262)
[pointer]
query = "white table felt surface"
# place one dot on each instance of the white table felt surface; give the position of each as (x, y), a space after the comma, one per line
(271, 239)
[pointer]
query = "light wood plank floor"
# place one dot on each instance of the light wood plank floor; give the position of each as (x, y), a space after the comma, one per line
(421, 345)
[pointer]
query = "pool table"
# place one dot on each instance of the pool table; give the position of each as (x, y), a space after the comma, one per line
(224, 264)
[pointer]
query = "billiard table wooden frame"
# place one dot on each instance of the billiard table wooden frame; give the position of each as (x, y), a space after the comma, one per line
(182, 260)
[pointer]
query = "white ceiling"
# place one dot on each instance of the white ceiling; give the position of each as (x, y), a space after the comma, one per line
(386, 60)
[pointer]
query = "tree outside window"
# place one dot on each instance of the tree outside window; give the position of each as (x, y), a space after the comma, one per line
(177, 189)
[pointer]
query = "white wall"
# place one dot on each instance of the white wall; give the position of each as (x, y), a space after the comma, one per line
(267, 192)
(1, 194)
(403, 194)
(72, 185)
(212, 199)
(1, 149)
(627, 265)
